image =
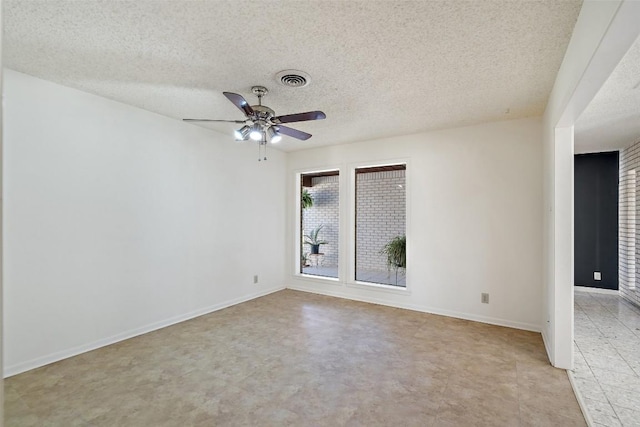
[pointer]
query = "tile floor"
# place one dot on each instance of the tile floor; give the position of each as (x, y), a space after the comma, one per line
(607, 358)
(295, 358)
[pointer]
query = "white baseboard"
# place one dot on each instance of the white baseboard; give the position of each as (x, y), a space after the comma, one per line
(580, 399)
(64, 354)
(426, 309)
(596, 290)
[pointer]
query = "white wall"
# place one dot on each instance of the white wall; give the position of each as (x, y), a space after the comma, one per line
(602, 35)
(474, 222)
(119, 221)
(1, 231)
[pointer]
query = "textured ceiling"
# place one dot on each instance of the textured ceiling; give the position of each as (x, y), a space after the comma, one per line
(612, 119)
(378, 68)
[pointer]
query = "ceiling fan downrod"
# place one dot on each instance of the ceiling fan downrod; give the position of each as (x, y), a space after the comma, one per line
(259, 91)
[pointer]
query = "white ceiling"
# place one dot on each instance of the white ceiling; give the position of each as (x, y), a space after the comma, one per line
(378, 68)
(612, 119)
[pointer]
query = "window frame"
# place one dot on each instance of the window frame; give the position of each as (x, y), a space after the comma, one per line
(351, 247)
(298, 274)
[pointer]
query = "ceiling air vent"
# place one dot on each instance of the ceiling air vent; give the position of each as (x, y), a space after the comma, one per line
(293, 78)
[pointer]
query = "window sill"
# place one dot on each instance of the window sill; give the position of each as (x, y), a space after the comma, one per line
(314, 278)
(380, 287)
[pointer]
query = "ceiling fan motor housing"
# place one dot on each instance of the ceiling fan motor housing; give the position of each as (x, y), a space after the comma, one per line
(263, 112)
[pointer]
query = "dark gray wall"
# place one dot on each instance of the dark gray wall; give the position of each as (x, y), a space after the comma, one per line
(596, 219)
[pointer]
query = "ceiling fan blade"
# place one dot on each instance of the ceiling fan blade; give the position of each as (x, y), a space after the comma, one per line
(301, 117)
(295, 133)
(239, 102)
(212, 120)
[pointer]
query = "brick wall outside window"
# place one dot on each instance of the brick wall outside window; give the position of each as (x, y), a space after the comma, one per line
(629, 238)
(380, 216)
(325, 194)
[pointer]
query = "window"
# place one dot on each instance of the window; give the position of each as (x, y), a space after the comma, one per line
(319, 223)
(380, 225)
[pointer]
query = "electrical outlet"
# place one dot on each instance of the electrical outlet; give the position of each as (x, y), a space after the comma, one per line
(255, 279)
(597, 275)
(485, 298)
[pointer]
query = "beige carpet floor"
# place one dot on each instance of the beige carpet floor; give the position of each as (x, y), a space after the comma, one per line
(294, 358)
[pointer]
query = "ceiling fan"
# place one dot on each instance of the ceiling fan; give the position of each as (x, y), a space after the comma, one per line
(261, 123)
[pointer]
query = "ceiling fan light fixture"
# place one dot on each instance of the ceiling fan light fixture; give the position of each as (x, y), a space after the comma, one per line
(273, 135)
(256, 132)
(242, 134)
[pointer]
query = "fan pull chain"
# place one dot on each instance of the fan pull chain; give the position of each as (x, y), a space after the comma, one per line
(262, 150)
